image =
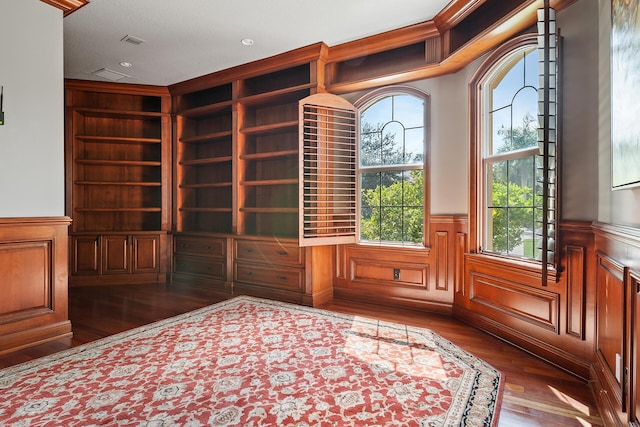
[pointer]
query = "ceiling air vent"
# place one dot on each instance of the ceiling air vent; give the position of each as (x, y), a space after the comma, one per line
(133, 40)
(108, 74)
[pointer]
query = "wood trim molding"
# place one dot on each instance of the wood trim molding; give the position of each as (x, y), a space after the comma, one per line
(307, 54)
(67, 6)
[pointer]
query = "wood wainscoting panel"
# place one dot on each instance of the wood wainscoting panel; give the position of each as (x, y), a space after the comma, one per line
(26, 279)
(34, 254)
(554, 320)
(576, 290)
(389, 273)
(615, 372)
(530, 304)
(442, 260)
(406, 276)
(610, 334)
(461, 249)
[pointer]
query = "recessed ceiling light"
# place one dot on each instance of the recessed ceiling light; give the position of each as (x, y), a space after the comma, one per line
(126, 64)
(247, 42)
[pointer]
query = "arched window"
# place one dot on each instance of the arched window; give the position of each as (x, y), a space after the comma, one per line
(507, 177)
(392, 159)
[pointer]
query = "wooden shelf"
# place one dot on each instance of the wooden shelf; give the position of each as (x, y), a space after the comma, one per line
(207, 185)
(269, 182)
(118, 114)
(270, 128)
(119, 139)
(188, 209)
(278, 96)
(269, 210)
(118, 162)
(205, 110)
(120, 209)
(269, 155)
(209, 161)
(124, 183)
(208, 137)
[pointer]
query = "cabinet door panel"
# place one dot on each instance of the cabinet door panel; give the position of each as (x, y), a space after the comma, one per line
(145, 254)
(209, 246)
(275, 277)
(85, 259)
(212, 268)
(115, 256)
(272, 253)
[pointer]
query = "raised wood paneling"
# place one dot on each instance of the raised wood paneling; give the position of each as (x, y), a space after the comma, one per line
(389, 273)
(461, 249)
(442, 260)
(85, 255)
(34, 270)
(557, 322)
(533, 305)
(145, 254)
(576, 290)
(411, 276)
(616, 365)
(26, 279)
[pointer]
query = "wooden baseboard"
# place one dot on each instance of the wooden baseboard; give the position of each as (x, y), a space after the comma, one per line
(30, 337)
(555, 356)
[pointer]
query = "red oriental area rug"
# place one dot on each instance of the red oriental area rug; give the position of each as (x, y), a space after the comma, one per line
(253, 362)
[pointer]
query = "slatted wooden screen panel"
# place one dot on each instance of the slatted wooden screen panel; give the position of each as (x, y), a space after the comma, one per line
(327, 156)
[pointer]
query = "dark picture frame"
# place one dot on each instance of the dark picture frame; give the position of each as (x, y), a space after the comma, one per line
(625, 93)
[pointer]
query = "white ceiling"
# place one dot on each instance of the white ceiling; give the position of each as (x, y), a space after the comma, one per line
(191, 38)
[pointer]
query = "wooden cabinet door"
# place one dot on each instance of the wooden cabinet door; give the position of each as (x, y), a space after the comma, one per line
(85, 255)
(145, 254)
(115, 254)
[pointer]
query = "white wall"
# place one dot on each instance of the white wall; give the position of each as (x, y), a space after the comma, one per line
(32, 138)
(579, 28)
(620, 206)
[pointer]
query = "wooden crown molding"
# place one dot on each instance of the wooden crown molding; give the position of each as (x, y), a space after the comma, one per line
(67, 6)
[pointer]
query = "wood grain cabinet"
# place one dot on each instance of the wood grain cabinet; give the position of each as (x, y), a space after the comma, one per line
(201, 259)
(118, 162)
(268, 267)
(106, 255)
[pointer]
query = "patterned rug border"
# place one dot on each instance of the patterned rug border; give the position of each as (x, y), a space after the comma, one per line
(452, 349)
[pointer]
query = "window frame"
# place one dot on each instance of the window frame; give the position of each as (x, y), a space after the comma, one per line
(367, 101)
(477, 134)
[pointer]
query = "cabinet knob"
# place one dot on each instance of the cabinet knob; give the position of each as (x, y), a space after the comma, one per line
(282, 277)
(210, 248)
(184, 246)
(283, 253)
(250, 251)
(249, 273)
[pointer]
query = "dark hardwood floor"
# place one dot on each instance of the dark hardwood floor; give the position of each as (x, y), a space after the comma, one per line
(535, 394)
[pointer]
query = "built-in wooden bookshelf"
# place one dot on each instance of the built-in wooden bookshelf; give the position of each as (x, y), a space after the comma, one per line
(118, 162)
(204, 154)
(268, 150)
(236, 175)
